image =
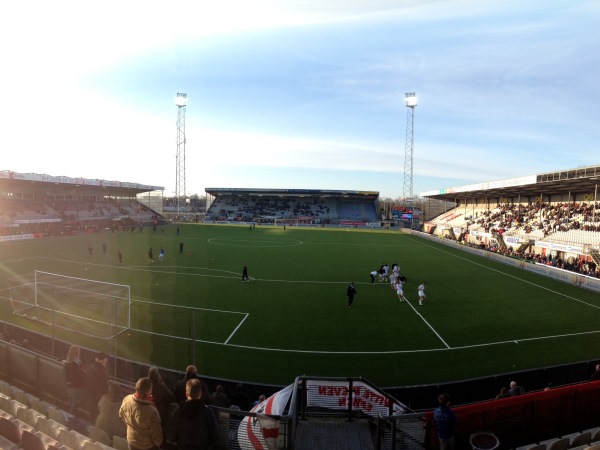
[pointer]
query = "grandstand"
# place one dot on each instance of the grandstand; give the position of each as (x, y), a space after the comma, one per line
(296, 206)
(550, 218)
(37, 203)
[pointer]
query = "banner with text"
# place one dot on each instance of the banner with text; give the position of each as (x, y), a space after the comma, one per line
(336, 394)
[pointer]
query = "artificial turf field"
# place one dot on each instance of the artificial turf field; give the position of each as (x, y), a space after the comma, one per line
(480, 317)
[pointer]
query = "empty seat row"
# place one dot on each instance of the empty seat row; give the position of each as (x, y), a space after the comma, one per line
(32, 424)
(575, 441)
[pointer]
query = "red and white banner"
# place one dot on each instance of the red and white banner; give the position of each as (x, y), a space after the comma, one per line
(262, 432)
(335, 395)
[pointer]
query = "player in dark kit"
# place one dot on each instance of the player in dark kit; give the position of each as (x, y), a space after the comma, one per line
(351, 292)
(245, 273)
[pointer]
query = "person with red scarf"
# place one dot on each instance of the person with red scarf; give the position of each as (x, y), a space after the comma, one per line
(144, 431)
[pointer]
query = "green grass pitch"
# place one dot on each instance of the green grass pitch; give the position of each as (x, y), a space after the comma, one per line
(480, 317)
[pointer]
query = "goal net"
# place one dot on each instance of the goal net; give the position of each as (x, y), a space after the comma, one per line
(95, 308)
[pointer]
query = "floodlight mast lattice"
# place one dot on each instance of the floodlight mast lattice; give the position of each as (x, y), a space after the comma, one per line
(180, 193)
(410, 99)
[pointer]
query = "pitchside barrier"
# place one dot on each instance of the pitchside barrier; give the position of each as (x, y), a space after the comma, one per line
(528, 418)
(565, 276)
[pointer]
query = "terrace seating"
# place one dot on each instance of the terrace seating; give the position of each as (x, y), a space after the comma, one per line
(58, 416)
(10, 430)
(120, 443)
(558, 444)
(98, 435)
(11, 406)
(584, 438)
(49, 427)
(95, 446)
(32, 416)
(46, 440)
(39, 406)
(72, 439)
(31, 441)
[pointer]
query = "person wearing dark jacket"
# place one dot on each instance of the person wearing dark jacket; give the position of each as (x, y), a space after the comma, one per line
(179, 390)
(97, 380)
(239, 398)
(75, 379)
(194, 425)
(162, 395)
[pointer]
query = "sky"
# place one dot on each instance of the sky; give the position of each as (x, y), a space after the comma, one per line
(299, 94)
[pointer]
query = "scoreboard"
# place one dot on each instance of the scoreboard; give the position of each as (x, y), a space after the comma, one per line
(404, 213)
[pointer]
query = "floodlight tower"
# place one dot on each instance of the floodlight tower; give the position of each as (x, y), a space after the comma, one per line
(181, 102)
(410, 99)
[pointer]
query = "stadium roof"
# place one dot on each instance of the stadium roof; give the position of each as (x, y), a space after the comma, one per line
(580, 180)
(19, 181)
(290, 192)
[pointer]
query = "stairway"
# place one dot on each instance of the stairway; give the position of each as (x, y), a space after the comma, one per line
(595, 254)
(332, 434)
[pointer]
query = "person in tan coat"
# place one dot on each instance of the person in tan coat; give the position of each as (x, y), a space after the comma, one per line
(144, 431)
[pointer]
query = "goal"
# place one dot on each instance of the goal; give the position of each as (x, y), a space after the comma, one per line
(91, 307)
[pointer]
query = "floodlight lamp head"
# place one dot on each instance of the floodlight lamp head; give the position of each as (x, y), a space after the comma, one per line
(411, 99)
(181, 99)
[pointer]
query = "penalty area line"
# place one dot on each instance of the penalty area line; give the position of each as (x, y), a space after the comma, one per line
(428, 324)
(236, 328)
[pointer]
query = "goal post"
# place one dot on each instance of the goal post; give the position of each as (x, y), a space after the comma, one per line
(91, 307)
(286, 222)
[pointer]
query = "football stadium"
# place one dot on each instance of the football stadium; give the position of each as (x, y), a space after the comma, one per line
(501, 284)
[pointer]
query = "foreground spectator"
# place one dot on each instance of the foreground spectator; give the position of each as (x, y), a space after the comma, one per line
(108, 412)
(141, 417)
(97, 379)
(445, 422)
(194, 425)
(180, 387)
(75, 379)
(162, 396)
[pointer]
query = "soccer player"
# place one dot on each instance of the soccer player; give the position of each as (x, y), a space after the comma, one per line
(373, 275)
(245, 273)
(400, 292)
(402, 279)
(161, 254)
(422, 293)
(351, 292)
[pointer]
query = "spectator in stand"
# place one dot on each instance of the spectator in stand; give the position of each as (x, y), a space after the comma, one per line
(97, 379)
(108, 412)
(515, 389)
(503, 393)
(162, 396)
(219, 398)
(239, 398)
(75, 379)
(261, 398)
(144, 431)
(596, 374)
(194, 425)
(179, 390)
(445, 422)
